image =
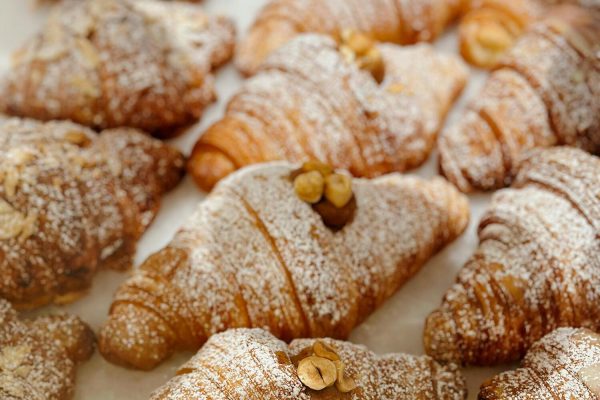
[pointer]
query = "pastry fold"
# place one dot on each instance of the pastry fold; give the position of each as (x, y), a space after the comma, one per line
(255, 255)
(545, 92)
(565, 364)
(72, 202)
(309, 102)
(397, 21)
(38, 357)
(111, 63)
(251, 364)
(537, 266)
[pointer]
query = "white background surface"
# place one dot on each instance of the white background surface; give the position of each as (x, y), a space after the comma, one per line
(396, 327)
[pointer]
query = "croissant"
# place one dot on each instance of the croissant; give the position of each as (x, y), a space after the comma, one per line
(38, 357)
(310, 102)
(398, 21)
(565, 364)
(546, 92)
(537, 267)
(256, 254)
(72, 202)
(111, 63)
(247, 364)
(490, 27)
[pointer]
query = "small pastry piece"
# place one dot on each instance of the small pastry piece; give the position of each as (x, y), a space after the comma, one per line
(255, 254)
(38, 357)
(251, 364)
(110, 63)
(397, 21)
(546, 92)
(72, 202)
(565, 364)
(317, 99)
(491, 27)
(537, 266)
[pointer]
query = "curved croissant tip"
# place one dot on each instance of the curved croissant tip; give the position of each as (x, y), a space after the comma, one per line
(440, 339)
(208, 167)
(134, 337)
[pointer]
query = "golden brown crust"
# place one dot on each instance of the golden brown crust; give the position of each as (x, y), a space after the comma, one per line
(565, 364)
(309, 102)
(402, 22)
(145, 64)
(536, 267)
(72, 202)
(38, 357)
(300, 279)
(261, 367)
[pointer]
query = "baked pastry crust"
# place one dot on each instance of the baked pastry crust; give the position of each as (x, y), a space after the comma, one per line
(71, 202)
(248, 364)
(38, 357)
(110, 63)
(255, 255)
(536, 267)
(545, 92)
(309, 102)
(565, 364)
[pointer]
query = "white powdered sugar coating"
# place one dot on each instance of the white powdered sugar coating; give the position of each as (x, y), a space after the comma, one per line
(255, 255)
(253, 364)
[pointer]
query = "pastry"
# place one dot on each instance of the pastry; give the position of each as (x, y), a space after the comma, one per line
(491, 27)
(38, 357)
(72, 202)
(565, 364)
(110, 63)
(302, 253)
(537, 266)
(318, 99)
(248, 364)
(545, 92)
(397, 21)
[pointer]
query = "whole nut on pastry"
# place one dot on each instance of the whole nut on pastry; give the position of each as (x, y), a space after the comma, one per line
(343, 383)
(314, 165)
(309, 186)
(322, 350)
(317, 373)
(358, 42)
(338, 189)
(372, 62)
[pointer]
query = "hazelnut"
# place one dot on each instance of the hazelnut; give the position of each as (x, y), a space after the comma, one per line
(372, 62)
(317, 373)
(358, 42)
(319, 166)
(343, 383)
(77, 138)
(322, 350)
(309, 186)
(338, 189)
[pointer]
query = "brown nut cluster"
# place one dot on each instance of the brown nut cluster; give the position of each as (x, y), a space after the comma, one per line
(320, 367)
(329, 193)
(359, 48)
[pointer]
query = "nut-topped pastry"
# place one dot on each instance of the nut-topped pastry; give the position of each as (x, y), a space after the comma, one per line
(72, 202)
(258, 254)
(109, 63)
(251, 364)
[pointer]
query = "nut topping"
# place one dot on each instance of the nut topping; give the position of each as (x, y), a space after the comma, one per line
(317, 373)
(322, 350)
(359, 48)
(338, 189)
(309, 186)
(343, 383)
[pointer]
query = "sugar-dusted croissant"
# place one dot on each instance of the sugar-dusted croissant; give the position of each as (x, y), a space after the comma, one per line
(310, 101)
(110, 63)
(546, 92)
(537, 267)
(71, 202)
(491, 27)
(397, 21)
(38, 357)
(256, 255)
(251, 364)
(565, 364)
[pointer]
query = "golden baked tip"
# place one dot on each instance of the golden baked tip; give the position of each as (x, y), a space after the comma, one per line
(145, 64)
(72, 202)
(251, 364)
(255, 254)
(38, 357)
